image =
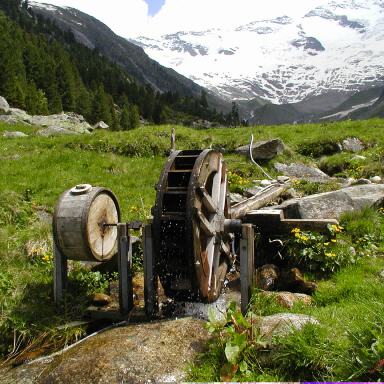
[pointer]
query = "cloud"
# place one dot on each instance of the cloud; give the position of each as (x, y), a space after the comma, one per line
(125, 17)
(129, 18)
(204, 14)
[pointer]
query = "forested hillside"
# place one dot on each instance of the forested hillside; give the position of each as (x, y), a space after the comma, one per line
(44, 70)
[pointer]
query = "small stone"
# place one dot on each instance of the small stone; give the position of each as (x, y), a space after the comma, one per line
(362, 182)
(288, 299)
(236, 198)
(352, 250)
(282, 179)
(267, 276)
(376, 179)
(291, 193)
(100, 299)
(265, 183)
(252, 191)
(358, 157)
(101, 125)
(352, 144)
(14, 135)
(381, 274)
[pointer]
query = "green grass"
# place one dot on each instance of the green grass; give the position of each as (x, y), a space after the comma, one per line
(35, 171)
(348, 343)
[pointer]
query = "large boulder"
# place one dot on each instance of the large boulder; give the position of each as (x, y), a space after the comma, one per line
(20, 115)
(302, 171)
(4, 106)
(156, 352)
(67, 121)
(263, 150)
(330, 205)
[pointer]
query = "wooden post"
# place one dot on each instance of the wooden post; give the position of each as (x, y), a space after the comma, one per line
(247, 265)
(150, 277)
(60, 275)
(125, 277)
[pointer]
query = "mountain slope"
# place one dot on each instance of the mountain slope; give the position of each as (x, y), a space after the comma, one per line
(96, 35)
(334, 49)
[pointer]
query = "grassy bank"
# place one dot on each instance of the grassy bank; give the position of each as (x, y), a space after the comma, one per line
(347, 344)
(35, 171)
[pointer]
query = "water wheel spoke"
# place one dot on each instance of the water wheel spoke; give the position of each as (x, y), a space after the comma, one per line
(216, 186)
(205, 225)
(207, 200)
(223, 194)
(211, 255)
(225, 248)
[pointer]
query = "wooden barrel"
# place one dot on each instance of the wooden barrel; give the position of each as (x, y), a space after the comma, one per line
(78, 223)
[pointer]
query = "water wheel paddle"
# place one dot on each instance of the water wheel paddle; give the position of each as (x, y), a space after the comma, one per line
(192, 249)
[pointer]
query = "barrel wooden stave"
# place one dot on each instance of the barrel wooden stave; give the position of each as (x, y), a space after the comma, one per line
(71, 225)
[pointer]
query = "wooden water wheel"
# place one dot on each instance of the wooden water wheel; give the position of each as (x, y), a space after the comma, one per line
(192, 249)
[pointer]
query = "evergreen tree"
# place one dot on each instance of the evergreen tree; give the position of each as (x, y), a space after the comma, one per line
(134, 116)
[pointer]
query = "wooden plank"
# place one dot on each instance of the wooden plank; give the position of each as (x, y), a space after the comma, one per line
(150, 277)
(273, 221)
(315, 225)
(258, 201)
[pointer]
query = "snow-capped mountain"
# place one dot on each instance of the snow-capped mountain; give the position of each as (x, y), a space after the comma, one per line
(334, 48)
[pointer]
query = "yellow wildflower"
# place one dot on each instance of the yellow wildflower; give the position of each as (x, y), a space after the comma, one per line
(326, 244)
(334, 240)
(295, 230)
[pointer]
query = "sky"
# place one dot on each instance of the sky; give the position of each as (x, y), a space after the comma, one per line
(132, 18)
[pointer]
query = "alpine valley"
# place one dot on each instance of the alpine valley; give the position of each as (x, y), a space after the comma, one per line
(326, 63)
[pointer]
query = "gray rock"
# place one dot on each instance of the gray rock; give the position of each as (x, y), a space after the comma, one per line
(331, 205)
(155, 352)
(282, 324)
(361, 182)
(302, 171)
(352, 144)
(15, 134)
(263, 150)
(236, 198)
(252, 191)
(265, 183)
(55, 131)
(283, 179)
(376, 179)
(4, 106)
(9, 119)
(20, 115)
(67, 121)
(101, 125)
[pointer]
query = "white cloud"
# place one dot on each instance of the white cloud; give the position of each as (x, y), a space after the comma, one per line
(204, 14)
(129, 18)
(125, 17)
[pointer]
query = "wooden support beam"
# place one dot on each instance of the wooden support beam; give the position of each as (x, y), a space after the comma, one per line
(258, 201)
(150, 276)
(247, 265)
(273, 222)
(60, 275)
